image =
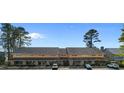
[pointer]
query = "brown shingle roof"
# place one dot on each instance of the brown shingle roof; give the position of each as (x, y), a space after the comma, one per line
(39, 50)
(114, 50)
(54, 51)
(83, 51)
(62, 51)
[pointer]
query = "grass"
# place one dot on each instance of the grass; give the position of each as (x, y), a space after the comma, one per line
(120, 55)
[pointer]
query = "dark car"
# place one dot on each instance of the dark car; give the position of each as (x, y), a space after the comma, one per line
(55, 66)
(88, 66)
(113, 65)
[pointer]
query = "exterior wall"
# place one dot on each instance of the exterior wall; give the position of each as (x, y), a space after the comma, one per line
(108, 55)
(112, 57)
(63, 57)
(64, 61)
(117, 58)
(60, 62)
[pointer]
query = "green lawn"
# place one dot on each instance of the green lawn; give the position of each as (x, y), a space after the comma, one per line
(120, 55)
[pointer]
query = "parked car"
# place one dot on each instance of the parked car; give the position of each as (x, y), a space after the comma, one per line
(113, 65)
(88, 66)
(55, 66)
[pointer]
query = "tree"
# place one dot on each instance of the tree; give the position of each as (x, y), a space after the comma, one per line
(0, 39)
(91, 37)
(6, 37)
(121, 39)
(23, 37)
(14, 37)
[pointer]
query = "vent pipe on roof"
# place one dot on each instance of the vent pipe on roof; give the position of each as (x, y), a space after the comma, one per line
(102, 48)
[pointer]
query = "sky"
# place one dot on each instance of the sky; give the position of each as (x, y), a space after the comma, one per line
(71, 34)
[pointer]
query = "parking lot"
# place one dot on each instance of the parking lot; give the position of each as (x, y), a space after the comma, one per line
(59, 68)
(92, 69)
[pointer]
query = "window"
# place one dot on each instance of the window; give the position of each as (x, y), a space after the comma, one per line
(17, 62)
(28, 62)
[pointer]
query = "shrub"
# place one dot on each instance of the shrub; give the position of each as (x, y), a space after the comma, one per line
(122, 63)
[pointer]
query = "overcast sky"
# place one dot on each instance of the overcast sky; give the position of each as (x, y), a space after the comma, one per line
(71, 34)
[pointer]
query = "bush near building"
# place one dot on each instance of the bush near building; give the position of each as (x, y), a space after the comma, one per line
(122, 63)
(121, 56)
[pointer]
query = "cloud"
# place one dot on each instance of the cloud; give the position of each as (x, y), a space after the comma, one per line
(37, 36)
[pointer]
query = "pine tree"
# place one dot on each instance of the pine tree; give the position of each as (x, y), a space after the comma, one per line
(91, 37)
(14, 37)
(121, 39)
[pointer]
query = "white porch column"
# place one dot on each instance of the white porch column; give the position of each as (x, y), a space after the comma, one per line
(12, 63)
(47, 62)
(93, 62)
(36, 63)
(82, 62)
(62, 62)
(70, 62)
(24, 62)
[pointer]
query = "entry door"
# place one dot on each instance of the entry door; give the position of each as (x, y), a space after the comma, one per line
(65, 62)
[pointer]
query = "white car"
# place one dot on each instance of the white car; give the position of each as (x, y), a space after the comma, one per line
(113, 65)
(88, 66)
(55, 66)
